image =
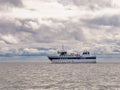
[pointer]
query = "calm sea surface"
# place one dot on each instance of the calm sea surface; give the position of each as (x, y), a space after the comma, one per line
(37, 73)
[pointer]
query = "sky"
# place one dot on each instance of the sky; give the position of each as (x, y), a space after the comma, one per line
(43, 26)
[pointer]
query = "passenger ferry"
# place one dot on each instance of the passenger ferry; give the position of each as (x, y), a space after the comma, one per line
(64, 57)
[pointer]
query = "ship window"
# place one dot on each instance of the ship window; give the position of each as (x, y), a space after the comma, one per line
(63, 53)
(86, 53)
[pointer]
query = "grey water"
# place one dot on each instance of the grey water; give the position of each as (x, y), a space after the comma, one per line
(38, 73)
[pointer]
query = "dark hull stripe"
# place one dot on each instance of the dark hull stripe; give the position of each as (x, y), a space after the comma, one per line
(77, 58)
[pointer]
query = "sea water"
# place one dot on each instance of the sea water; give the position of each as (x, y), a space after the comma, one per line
(38, 73)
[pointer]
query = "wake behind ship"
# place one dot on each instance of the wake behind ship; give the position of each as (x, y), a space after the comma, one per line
(64, 57)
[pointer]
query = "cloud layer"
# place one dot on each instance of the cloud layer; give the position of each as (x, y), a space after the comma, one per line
(8, 4)
(27, 27)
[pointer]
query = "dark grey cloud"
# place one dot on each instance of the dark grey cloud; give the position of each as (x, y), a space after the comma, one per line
(91, 4)
(8, 3)
(113, 21)
(116, 49)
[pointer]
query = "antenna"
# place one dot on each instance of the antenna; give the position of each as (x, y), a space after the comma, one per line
(63, 47)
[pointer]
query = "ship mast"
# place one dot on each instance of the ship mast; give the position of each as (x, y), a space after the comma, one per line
(62, 47)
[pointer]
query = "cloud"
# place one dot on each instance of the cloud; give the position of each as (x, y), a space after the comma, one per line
(77, 24)
(16, 3)
(9, 5)
(92, 4)
(31, 50)
(9, 39)
(104, 21)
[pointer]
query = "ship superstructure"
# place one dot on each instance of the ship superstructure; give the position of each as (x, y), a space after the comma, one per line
(64, 57)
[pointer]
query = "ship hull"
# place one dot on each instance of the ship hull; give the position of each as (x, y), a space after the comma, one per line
(74, 59)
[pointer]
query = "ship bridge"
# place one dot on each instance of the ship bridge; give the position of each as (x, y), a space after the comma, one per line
(62, 53)
(86, 53)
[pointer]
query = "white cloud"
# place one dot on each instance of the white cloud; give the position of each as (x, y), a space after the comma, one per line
(33, 25)
(9, 39)
(38, 9)
(31, 50)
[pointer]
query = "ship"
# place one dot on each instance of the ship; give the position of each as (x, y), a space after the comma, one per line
(63, 57)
